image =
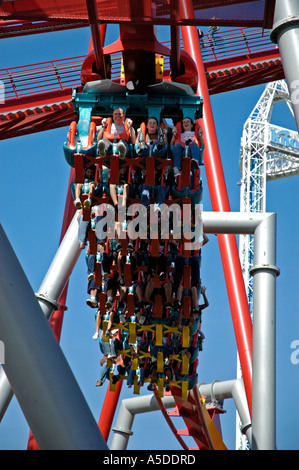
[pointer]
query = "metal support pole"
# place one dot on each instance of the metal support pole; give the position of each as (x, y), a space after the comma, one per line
(96, 37)
(49, 292)
(264, 274)
(231, 389)
(219, 200)
(285, 33)
(175, 58)
(37, 370)
(60, 270)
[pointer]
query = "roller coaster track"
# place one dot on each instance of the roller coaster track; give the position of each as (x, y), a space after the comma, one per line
(38, 97)
(199, 424)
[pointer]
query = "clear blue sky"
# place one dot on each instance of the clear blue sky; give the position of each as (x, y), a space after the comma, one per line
(34, 185)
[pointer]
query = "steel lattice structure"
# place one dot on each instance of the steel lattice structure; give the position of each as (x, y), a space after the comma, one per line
(268, 152)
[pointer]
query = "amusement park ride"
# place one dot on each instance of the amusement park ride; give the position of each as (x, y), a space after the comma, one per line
(168, 81)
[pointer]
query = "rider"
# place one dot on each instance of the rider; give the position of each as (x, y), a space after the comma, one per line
(117, 130)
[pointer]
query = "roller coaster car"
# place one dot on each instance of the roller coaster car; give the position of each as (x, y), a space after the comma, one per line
(100, 97)
(162, 100)
(81, 137)
(165, 99)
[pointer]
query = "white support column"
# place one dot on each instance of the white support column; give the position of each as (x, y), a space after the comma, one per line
(49, 292)
(285, 33)
(264, 274)
(36, 368)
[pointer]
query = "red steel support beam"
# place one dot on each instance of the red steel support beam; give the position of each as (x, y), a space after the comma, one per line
(175, 41)
(108, 410)
(219, 200)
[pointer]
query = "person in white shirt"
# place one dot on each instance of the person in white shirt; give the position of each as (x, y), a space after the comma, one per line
(116, 134)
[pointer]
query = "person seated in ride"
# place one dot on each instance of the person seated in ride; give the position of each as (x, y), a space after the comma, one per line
(100, 257)
(186, 142)
(88, 187)
(120, 192)
(103, 188)
(159, 192)
(157, 266)
(91, 259)
(118, 131)
(154, 141)
(167, 349)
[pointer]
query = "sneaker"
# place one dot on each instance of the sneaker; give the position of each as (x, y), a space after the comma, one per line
(122, 319)
(121, 150)
(151, 387)
(105, 276)
(140, 140)
(99, 383)
(130, 85)
(130, 247)
(90, 277)
(111, 356)
(156, 207)
(148, 308)
(166, 361)
(101, 149)
(167, 388)
(162, 276)
(92, 303)
(87, 204)
(78, 204)
(142, 319)
(194, 164)
(108, 304)
(96, 335)
(176, 172)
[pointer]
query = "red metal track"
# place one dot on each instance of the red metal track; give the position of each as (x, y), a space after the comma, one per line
(153, 12)
(38, 96)
(199, 423)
